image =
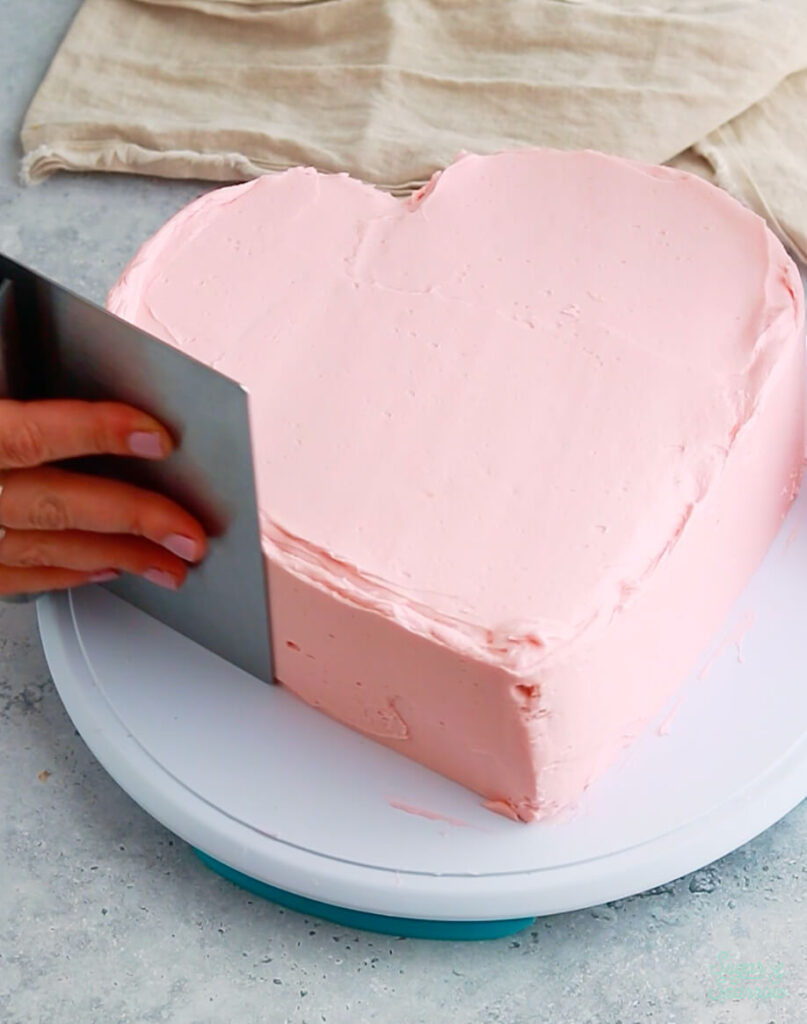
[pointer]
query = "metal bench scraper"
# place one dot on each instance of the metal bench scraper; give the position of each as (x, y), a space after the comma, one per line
(54, 344)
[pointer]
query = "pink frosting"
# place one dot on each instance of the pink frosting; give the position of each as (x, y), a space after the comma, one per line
(520, 440)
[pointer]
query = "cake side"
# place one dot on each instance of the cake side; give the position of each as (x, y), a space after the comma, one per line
(450, 712)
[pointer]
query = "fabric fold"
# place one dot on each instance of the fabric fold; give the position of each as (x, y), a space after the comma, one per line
(391, 90)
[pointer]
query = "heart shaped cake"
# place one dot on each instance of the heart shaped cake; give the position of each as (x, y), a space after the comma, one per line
(521, 439)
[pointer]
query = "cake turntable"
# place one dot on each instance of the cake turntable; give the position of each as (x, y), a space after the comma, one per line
(280, 799)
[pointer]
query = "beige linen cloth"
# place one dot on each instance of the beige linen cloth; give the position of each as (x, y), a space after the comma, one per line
(392, 90)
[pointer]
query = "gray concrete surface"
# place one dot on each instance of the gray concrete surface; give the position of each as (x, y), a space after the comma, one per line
(105, 917)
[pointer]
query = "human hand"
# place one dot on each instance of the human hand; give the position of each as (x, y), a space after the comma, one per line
(61, 529)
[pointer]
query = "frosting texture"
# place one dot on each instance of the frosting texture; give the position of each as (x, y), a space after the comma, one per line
(504, 417)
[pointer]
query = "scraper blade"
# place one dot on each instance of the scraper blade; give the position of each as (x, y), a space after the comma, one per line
(54, 344)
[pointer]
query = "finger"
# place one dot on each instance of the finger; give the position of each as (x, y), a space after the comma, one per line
(15, 580)
(34, 433)
(53, 499)
(91, 553)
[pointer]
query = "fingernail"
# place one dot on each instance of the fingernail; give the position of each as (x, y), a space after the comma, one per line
(161, 578)
(104, 577)
(146, 445)
(182, 547)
